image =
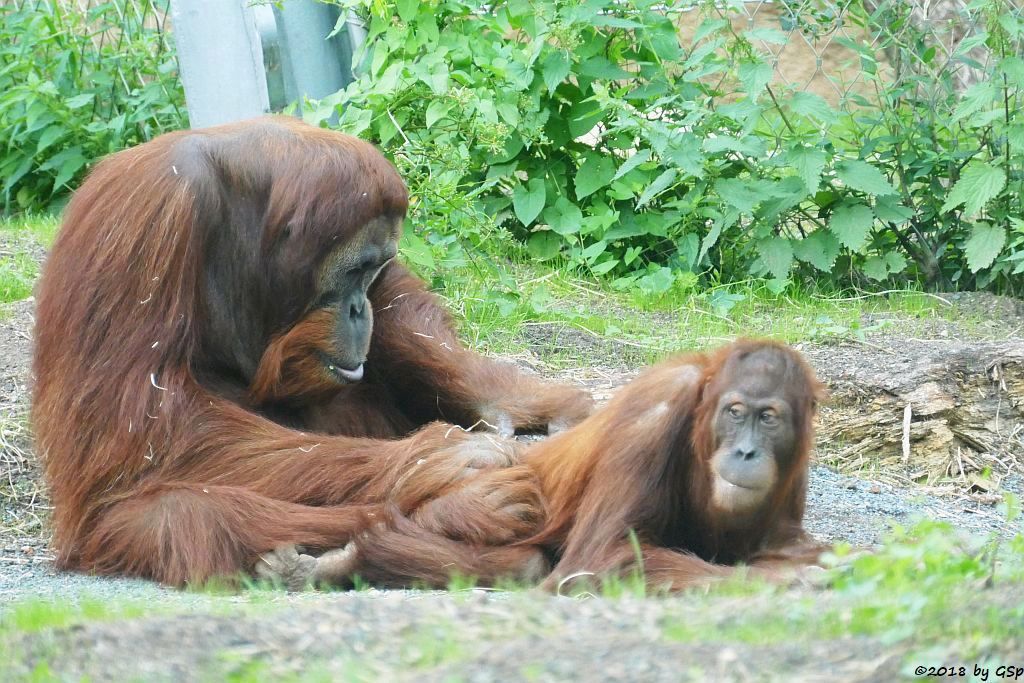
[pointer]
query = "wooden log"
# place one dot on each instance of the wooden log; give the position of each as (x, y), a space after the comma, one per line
(966, 403)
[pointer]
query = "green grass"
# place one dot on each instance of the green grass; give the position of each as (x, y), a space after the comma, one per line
(573, 320)
(39, 614)
(40, 227)
(19, 240)
(924, 585)
(927, 592)
(508, 307)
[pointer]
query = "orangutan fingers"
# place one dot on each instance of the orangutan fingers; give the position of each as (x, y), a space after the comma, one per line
(286, 567)
(336, 567)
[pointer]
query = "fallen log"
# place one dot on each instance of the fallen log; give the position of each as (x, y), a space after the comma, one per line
(964, 401)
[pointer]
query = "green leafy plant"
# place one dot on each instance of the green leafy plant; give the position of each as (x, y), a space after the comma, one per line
(76, 85)
(585, 133)
(953, 150)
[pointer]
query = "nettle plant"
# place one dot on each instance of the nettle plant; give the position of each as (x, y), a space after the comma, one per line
(77, 84)
(587, 132)
(954, 152)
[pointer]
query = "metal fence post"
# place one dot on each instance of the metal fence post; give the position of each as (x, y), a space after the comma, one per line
(221, 60)
(240, 60)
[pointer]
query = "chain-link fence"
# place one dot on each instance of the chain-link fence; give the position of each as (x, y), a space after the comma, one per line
(123, 45)
(827, 46)
(821, 46)
(79, 79)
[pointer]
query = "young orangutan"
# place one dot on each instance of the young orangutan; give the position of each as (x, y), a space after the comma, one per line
(704, 457)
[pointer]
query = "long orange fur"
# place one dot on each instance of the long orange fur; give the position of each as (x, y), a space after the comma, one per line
(183, 428)
(638, 466)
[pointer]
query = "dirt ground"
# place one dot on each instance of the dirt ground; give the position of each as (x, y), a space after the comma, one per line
(590, 640)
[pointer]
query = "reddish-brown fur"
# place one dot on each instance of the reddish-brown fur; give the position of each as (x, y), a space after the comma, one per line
(184, 425)
(641, 465)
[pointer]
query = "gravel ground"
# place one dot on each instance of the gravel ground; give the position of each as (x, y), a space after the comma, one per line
(384, 636)
(478, 637)
(840, 508)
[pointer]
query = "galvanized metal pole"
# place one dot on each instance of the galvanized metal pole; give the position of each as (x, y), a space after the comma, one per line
(315, 65)
(221, 60)
(240, 60)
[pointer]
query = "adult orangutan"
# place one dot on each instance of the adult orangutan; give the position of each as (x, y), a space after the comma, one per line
(703, 457)
(229, 359)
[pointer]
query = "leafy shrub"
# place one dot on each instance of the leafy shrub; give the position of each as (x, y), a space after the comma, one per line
(955, 154)
(75, 86)
(583, 129)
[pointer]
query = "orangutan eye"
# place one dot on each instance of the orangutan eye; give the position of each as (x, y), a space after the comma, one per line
(737, 411)
(769, 418)
(361, 268)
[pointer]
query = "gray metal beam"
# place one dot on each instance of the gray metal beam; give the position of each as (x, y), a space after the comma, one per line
(240, 60)
(221, 60)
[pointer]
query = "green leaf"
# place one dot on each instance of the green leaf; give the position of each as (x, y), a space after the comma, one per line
(717, 226)
(79, 101)
(407, 9)
(851, 222)
(583, 116)
(665, 42)
(754, 76)
(708, 27)
(875, 268)
(971, 42)
(68, 169)
(603, 68)
(812, 106)
(564, 217)
(808, 162)
(862, 176)
(685, 152)
(629, 164)
(895, 261)
(748, 144)
(614, 22)
(415, 248)
(426, 26)
(820, 249)
(50, 136)
(11, 180)
(767, 35)
(1011, 24)
(777, 254)
(979, 182)
(1015, 135)
(544, 245)
(659, 184)
(555, 68)
(698, 58)
(591, 253)
(984, 245)
(595, 173)
(1013, 68)
(977, 97)
(436, 111)
(510, 113)
(658, 281)
(528, 200)
(745, 194)
(890, 210)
